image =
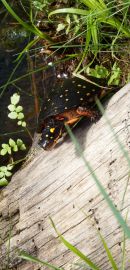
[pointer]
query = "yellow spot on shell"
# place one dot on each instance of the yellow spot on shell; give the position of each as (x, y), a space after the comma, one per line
(52, 130)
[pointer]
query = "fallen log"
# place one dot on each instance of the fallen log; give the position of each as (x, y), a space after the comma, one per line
(56, 184)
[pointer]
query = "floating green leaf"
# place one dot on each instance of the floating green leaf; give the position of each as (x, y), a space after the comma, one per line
(12, 142)
(15, 99)
(3, 182)
(12, 115)
(19, 109)
(20, 116)
(11, 107)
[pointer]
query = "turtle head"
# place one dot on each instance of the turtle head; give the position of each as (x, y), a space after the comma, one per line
(51, 132)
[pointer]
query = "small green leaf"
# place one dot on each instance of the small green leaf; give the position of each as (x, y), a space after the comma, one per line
(6, 148)
(4, 145)
(115, 75)
(1, 174)
(8, 174)
(11, 107)
(3, 182)
(15, 99)
(20, 116)
(60, 27)
(98, 71)
(12, 143)
(23, 147)
(19, 109)
(68, 19)
(3, 169)
(9, 150)
(15, 148)
(19, 123)
(19, 142)
(9, 167)
(12, 115)
(24, 124)
(3, 152)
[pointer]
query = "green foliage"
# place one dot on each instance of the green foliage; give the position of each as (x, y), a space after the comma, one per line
(16, 112)
(29, 27)
(115, 75)
(93, 18)
(70, 21)
(102, 72)
(74, 250)
(40, 4)
(5, 172)
(12, 146)
(98, 71)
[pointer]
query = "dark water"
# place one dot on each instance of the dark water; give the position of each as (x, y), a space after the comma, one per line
(9, 127)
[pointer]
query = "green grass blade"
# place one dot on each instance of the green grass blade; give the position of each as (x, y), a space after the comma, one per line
(95, 35)
(25, 256)
(116, 24)
(74, 249)
(30, 73)
(87, 43)
(28, 27)
(124, 248)
(93, 4)
(108, 252)
(116, 213)
(29, 45)
(69, 10)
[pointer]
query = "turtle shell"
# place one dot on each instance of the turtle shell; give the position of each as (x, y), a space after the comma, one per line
(68, 94)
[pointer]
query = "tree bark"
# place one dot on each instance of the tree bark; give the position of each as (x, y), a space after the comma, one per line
(56, 184)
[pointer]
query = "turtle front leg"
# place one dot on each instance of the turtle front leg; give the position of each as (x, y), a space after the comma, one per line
(88, 112)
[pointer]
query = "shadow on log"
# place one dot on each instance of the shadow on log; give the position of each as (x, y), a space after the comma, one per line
(57, 184)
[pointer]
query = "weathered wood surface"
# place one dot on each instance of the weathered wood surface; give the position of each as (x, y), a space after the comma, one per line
(57, 184)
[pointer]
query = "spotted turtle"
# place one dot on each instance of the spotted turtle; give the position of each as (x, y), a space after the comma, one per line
(66, 103)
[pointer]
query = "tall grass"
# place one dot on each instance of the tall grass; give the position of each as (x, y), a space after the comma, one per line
(29, 27)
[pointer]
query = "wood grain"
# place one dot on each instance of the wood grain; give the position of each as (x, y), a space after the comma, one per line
(57, 184)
